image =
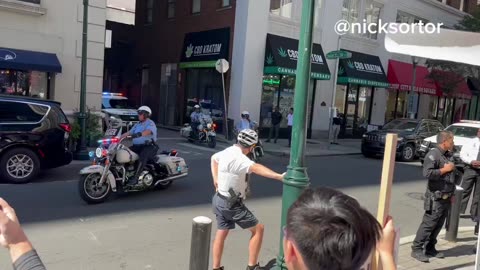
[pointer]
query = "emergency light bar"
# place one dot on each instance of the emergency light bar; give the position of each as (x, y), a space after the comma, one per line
(470, 121)
(112, 94)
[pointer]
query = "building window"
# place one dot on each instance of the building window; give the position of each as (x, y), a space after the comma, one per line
(171, 9)
(281, 8)
(148, 11)
(351, 10)
(31, 1)
(196, 6)
(24, 83)
(372, 16)
(226, 3)
(404, 17)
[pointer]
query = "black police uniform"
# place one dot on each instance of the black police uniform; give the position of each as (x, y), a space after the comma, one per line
(440, 189)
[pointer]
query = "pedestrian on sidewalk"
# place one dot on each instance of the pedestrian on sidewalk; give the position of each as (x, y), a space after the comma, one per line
(439, 169)
(290, 124)
(12, 236)
(229, 170)
(327, 230)
(470, 154)
(276, 119)
(336, 123)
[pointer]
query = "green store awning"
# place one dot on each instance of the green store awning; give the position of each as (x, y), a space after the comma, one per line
(281, 56)
(362, 69)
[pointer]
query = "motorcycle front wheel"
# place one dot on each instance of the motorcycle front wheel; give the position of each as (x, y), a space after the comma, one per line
(90, 190)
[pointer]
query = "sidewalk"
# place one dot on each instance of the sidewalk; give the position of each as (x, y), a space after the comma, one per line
(314, 147)
(457, 255)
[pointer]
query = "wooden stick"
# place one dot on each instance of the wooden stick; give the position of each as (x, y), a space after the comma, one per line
(386, 187)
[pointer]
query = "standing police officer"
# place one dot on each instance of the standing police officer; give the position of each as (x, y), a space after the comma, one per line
(470, 154)
(439, 170)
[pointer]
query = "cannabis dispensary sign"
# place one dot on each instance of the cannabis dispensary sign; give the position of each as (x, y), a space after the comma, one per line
(363, 69)
(203, 49)
(281, 55)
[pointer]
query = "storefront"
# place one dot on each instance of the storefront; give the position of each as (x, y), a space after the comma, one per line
(474, 108)
(424, 99)
(27, 73)
(454, 105)
(202, 82)
(278, 88)
(358, 77)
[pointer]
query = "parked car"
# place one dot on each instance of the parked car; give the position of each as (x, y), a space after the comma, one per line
(33, 136)
(411, 133)
(463, 132)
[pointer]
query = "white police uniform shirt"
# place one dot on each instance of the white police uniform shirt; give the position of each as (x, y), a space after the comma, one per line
(470, 151)
(233, 167)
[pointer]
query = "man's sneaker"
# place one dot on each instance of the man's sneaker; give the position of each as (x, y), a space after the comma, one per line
(220, 268)
(256, 267)
(419, 256)
(433, 253)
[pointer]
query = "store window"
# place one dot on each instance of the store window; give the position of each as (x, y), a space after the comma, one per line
(171, 8)
(24, 83)
(196, 6)
(351, 10)
(473, 108)
(149, 12)
(204, 88)
(226, 3)
(278, 91)
(282, 8)
(461, 109)
(372, 17)
(405, 17)
(391, 105)
(364, 108)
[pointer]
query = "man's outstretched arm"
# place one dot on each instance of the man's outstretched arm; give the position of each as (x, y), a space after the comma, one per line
(265, 172)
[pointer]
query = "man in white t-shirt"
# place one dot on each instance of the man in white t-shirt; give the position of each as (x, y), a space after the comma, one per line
(229, 170)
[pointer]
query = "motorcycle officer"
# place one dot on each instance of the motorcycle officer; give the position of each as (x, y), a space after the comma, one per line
(439, 169)
(195, 119)
(245, 122)
(142, 133)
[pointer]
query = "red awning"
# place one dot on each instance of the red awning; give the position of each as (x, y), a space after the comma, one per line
(400, 76)
(455, 80)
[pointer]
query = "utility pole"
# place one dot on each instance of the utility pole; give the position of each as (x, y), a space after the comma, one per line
(82, 153)
(297, 179)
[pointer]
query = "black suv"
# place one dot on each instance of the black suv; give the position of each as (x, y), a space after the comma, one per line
(33, 136)
(410, 132)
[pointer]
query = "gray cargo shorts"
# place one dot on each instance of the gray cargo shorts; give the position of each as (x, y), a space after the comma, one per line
(228, 217)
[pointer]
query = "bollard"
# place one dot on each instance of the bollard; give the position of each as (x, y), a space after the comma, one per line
(200, 246)
(454, 216)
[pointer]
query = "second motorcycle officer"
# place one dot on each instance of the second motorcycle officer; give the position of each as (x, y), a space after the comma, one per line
(440, 173)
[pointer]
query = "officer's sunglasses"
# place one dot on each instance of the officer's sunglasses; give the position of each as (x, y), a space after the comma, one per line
(141, 112)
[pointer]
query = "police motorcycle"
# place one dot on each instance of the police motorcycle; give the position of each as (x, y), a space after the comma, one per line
(257, 152)
(205, 131)
(114, 164)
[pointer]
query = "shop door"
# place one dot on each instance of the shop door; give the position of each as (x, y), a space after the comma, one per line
(351, 110)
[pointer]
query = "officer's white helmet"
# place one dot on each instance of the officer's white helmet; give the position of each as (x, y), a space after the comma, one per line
(247, 137)
(145, 109)
(197, 106)
(245, 113)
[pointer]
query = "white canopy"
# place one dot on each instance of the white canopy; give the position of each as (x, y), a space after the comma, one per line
(449, 45)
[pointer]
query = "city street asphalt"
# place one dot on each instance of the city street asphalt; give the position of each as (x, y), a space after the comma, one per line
(152, 230)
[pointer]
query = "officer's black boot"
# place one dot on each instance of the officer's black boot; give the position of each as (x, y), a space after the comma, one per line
(433, 253)
(419, 256)
(134, 180)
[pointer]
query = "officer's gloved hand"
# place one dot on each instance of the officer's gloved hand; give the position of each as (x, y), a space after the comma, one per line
(137, 135)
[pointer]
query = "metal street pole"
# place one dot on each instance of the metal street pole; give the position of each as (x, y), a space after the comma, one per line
(82, 153)
(334, 93)
(414, 78)
(225, 115)
(296, 179)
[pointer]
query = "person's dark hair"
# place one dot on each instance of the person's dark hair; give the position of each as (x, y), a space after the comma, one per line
(331, 230)
(444, 135)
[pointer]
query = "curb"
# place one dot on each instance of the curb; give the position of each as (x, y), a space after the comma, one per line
(409, 239)
(284, 154)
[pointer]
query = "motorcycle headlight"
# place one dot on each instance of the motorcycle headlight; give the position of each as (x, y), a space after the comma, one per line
(425, 143)
(209, 125)
(364, 135)
(99, 152)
